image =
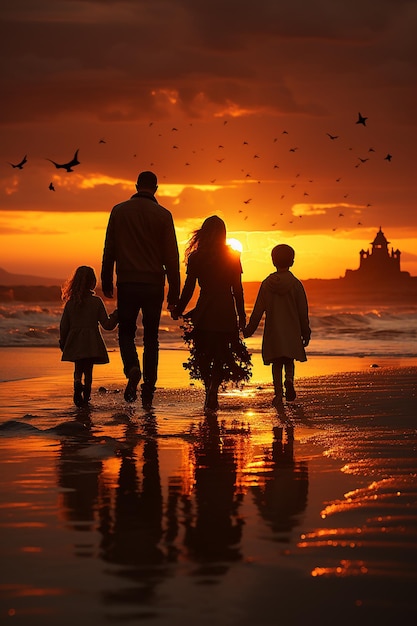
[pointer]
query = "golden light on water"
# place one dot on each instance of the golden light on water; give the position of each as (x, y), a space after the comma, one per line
(345, 568)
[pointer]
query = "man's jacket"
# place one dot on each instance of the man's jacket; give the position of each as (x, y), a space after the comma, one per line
(141, 243)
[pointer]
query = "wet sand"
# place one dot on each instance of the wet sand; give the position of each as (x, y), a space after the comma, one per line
(303, 515)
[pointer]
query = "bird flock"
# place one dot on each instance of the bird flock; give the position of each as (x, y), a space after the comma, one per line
(68, 167)
(243, 211)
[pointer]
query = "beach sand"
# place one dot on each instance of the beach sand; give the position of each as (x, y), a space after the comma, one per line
(303, 515)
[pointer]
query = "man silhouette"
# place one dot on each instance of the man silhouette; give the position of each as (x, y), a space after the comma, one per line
(142, 244)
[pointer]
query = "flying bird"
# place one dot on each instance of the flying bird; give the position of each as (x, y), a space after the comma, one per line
(247, 201)
(388, 157)
(19, 165)
(51, 187)
(332, 136)
(361, 119)
(67, 166)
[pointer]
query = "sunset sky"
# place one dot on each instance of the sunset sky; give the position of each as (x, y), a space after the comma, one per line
(243, 109)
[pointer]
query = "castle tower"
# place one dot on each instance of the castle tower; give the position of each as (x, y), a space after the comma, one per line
(378, 266)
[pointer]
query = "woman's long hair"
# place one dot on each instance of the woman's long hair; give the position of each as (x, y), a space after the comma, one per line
(208, 239)
(80, 285)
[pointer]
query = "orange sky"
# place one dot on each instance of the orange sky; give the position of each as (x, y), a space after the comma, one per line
(232, 107)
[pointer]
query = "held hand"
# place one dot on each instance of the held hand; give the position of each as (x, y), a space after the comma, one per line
(306, 341)
(173, 310)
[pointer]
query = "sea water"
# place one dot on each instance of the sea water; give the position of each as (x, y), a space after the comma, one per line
(341, 330)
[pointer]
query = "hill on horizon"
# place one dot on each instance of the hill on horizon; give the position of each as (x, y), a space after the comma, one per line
(8, 279)
(320, 291)
(11, 280)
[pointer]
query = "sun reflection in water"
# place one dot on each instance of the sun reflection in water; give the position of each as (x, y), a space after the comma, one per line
(345, 568)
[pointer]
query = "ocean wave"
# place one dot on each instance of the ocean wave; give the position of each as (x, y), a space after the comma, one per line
(389, 330)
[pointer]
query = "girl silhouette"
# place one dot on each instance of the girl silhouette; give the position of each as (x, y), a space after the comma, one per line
(80, 337)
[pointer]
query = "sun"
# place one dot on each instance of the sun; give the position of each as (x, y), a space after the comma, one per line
(235, 244)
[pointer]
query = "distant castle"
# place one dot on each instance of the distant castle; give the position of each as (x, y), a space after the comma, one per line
(378, 266)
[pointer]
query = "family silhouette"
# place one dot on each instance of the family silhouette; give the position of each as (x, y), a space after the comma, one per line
(141, 249)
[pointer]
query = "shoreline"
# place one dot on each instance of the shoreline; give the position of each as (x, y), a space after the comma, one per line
(41, 361)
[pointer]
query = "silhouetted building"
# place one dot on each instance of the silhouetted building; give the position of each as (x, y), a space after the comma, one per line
(378, 265)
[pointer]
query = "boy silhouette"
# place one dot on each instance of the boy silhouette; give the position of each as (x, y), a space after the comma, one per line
(287, 331)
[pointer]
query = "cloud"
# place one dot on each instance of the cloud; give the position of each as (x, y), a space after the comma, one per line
(106, 60)
(321, 209)
(92, 181)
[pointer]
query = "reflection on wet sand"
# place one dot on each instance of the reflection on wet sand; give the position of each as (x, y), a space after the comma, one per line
(281, 496)
(78, 479)
(135, 516)
(200, 523)
(213, 525)
(131, 519)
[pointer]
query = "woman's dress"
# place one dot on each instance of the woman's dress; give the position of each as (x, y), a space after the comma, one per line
(211, 329)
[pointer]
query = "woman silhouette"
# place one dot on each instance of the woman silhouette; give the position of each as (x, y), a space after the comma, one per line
(211, 330)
